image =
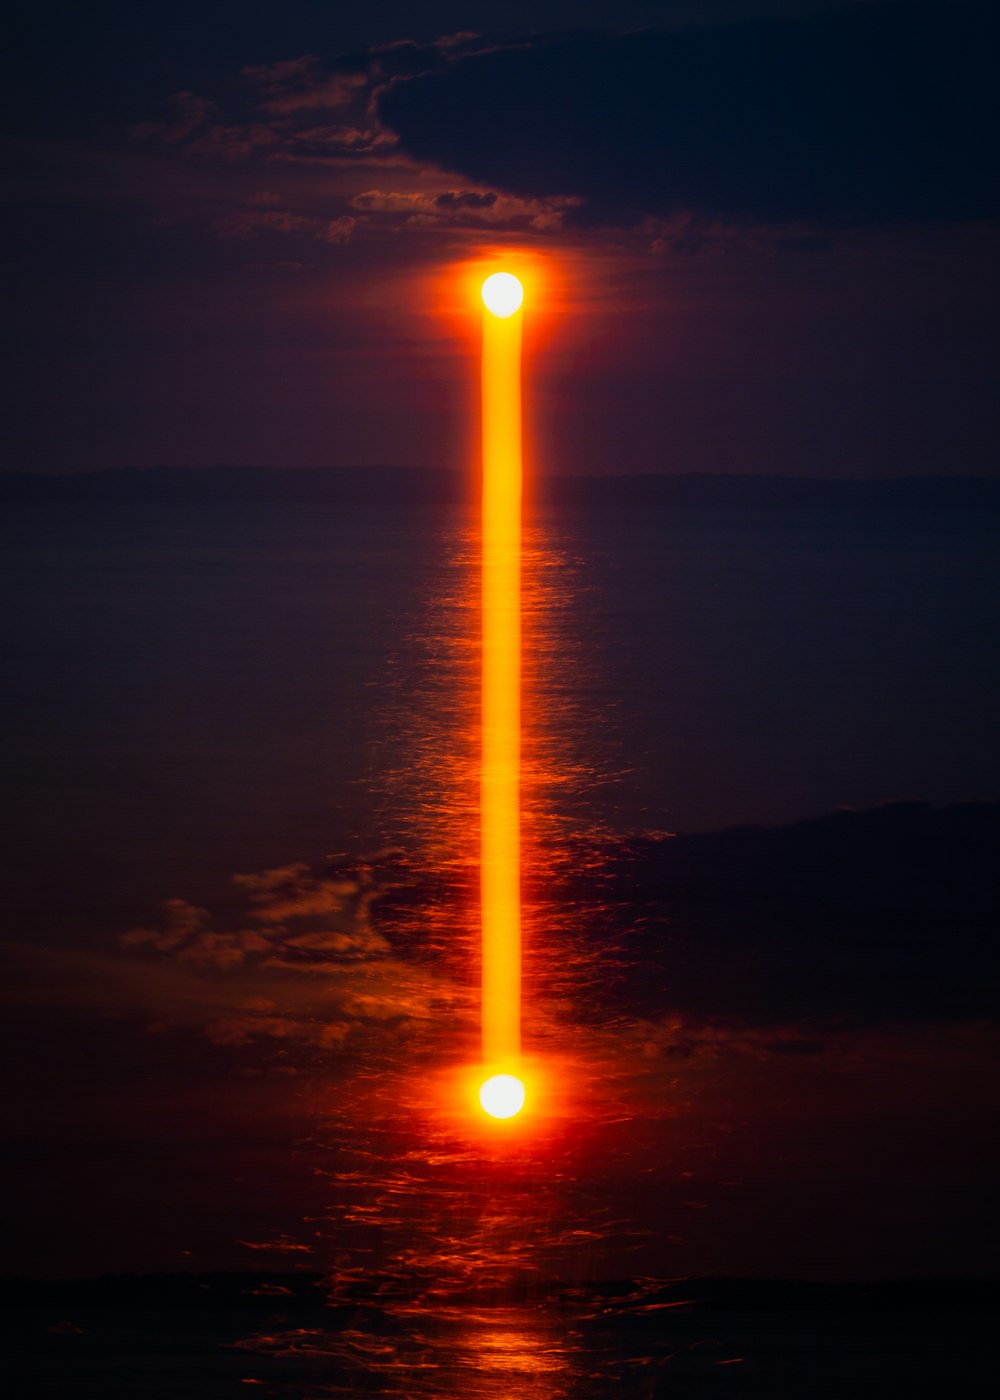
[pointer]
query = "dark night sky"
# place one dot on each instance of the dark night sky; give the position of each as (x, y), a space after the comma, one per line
(230, 232)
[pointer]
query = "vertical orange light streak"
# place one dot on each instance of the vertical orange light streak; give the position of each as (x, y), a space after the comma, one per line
(500, 816)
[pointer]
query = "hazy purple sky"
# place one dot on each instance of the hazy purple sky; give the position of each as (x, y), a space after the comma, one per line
(231, 234)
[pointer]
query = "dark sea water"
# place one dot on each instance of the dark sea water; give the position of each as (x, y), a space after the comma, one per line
(696, 1340)
(760, 790)
(194, 690)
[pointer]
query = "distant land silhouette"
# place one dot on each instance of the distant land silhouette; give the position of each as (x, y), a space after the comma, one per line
(208, 1336)
(379, 485)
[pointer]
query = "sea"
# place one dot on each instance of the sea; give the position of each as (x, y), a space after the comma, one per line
(760, 796)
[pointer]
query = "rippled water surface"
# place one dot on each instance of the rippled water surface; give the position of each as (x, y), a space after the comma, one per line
(243, 754)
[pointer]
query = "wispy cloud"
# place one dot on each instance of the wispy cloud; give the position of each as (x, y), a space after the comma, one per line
(295, 958)
(314, 125)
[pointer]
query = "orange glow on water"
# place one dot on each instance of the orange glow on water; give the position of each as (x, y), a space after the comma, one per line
(500, 772)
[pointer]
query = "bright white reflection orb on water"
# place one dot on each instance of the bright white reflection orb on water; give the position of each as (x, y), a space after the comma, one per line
(502, 1096)
(502, 294)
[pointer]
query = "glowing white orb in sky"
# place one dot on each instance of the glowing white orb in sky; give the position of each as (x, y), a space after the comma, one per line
(503, 294)
(502, 1096)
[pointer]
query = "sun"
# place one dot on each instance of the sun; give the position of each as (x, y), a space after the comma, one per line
(502, 1096)
(503, 294)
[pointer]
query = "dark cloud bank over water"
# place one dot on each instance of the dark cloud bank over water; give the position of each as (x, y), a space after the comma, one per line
(858, 917)
(871, 113)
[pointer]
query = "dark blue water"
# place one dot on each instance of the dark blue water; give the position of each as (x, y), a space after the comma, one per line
(196, 690)
(239, 765)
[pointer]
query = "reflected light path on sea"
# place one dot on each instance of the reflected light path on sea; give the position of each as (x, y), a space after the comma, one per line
(672, 1132)
(446, 1229)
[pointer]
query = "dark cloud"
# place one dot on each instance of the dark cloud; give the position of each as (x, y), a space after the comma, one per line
(466, 199)
(463, 208)
(869, 113)
(193, 127)
(857, 918)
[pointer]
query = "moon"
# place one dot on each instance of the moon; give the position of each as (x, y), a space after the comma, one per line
(502, 1096)
(503, 294)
